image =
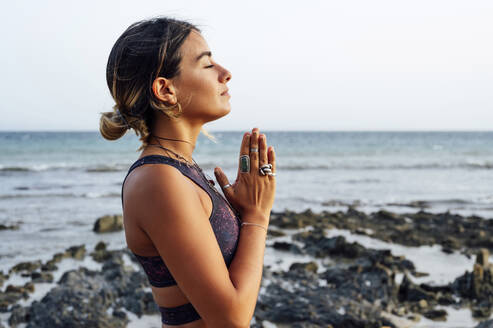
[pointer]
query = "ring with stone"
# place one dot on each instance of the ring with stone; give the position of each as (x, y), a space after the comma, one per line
(245, 164)
(227, 186)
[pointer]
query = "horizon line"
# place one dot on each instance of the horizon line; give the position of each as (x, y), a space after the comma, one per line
(215, 131)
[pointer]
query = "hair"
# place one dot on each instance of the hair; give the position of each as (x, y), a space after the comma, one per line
(146, 50)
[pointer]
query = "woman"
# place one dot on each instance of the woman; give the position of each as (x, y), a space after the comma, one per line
(203, 254)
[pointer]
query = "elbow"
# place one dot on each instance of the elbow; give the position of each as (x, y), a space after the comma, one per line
(236, 315)
(230, 323)
(239, 319)
(236, 324)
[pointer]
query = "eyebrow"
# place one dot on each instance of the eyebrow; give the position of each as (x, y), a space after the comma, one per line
(205, 53)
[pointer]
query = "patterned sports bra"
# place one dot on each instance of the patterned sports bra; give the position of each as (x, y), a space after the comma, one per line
(225, 223)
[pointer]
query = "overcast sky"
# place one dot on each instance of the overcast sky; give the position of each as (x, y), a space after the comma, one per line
(296, 65)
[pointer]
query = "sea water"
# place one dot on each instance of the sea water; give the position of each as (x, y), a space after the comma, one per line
(54, 185)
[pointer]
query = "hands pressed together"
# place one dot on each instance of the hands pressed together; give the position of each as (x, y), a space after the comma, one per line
(252, 194)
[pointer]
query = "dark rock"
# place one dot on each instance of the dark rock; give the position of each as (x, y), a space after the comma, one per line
(275, 233)
(27, 288)
(38, 277)
(436, 315)
(310, 266)
(386, 215)
(101, 246)
(481, 311)
(285, 246)
(320, 246)
(371, 283)
(3, 277)
(9, 227)
(18, 315)
(410, 292)
(49, 266)
(310, 305)
(120, 314)
(446, 300)
(9, 298)
(108, 223)
(76, 252)
(483, 257)
(100, 256)
(25, 266)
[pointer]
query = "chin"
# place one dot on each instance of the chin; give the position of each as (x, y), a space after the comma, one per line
(224, 112)
(218, 114)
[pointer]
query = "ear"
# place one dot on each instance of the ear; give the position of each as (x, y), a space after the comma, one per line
(164, 90)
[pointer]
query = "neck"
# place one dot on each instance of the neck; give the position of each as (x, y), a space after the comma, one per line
(179, 129)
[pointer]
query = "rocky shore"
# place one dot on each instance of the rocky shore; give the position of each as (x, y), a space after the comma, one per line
(344, 284)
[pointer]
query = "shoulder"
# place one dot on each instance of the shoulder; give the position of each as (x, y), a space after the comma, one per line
(149, 179)
(151, 189)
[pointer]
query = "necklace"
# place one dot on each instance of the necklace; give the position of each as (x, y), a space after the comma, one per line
(194, 164)
(173, 140)
(210, 182)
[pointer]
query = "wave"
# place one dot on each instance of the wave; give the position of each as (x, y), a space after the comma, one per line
(63, 195)
(57, 167)
(308, 166)
(101, 195)
(102, 169)
(44, 187)
(15, 169)
(420, 204)
(432, 203)
(356, 181)
(383, 166)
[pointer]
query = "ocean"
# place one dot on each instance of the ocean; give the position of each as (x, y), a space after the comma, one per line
(54, 185)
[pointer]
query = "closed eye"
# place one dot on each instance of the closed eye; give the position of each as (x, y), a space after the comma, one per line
(210, 66)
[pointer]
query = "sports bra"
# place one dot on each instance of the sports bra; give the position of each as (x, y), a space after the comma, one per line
(225, 222)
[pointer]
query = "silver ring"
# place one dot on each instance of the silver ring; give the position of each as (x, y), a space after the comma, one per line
(227, 186)
(271, 174)
(254, 150)
(265, 169)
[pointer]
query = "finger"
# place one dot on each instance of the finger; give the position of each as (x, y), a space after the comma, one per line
(222, 179)
(254, 155)
(262, 149)
(272, 158)
(244, 150)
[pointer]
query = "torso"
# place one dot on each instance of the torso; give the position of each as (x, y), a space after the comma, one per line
(139, 243)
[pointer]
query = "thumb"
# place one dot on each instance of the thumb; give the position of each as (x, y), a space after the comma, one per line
(222, 179)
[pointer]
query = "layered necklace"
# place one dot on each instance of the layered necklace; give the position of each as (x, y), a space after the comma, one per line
(210, 182)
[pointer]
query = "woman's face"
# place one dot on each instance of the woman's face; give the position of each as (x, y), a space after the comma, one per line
(201, 85)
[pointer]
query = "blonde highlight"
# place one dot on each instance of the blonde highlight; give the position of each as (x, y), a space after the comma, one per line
(146, 50)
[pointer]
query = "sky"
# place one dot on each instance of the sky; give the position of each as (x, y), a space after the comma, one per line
(296, 65)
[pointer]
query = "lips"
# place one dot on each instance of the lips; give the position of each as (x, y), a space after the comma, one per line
(225, 92)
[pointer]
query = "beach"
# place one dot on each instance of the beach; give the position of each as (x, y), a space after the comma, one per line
(367, 230)
(330, 269)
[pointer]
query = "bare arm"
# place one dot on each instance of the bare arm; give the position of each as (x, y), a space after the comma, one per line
(171, 214)
(245, 270)
(255, 203)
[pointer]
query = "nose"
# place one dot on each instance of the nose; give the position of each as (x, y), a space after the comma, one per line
(226, 76)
